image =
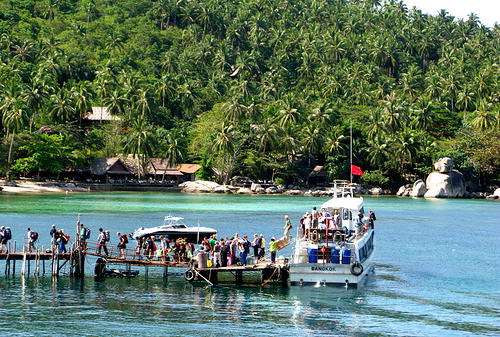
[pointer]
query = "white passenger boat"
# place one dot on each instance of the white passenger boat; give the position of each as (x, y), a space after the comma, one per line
(174, 228)
(341, 254)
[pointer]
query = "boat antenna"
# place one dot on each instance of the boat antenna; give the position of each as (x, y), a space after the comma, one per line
(198, 234)
(350, 148)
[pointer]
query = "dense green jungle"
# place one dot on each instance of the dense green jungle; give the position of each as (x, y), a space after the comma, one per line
(265, 89)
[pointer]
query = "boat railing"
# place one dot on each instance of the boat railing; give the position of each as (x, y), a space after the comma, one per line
(327, 255)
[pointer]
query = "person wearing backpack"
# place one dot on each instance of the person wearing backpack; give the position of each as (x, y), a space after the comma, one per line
(122, 244)
(32, 238)
(62, 240)
(82, 236)
(102, 242)
(4, 238)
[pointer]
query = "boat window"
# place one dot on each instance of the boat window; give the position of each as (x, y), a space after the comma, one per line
(179, 226)
(345, 214)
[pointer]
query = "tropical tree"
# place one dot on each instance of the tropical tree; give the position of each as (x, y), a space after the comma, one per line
(139, 141)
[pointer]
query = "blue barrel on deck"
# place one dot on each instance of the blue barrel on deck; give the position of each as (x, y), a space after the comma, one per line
(313, 255)
(346, 256)
(335, 257)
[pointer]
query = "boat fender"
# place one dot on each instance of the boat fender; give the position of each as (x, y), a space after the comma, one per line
(189, 275)
(314, 236)
(357, 269)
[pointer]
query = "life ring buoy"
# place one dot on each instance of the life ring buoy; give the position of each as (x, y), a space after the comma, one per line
(314, 236)
(357, 269)
(189, 275)
(337, 237)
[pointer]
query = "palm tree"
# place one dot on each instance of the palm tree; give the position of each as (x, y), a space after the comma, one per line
(139, 142)
(484, 120)
(63, 107)
(82, 97)
(173, 152)
(288, 116)
(224, 145)
(14, 116)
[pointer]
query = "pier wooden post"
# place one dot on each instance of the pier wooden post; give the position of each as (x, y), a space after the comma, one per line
(165, 272)
(239, 277)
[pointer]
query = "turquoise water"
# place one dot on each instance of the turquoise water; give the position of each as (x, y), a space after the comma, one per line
(436, 275)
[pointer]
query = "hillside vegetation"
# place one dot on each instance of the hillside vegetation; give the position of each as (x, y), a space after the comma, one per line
(260, 88)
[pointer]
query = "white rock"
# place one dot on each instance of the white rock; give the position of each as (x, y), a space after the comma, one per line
(222, 189)
(255, 186)
(497, 192)
(199, 186)
(418, 189)
(244, 190)
(376, 191)
(444, 165)
(445, 185)
(293, 192)
(407, 192)
(271, 190)
(401, 191)
(260, 190)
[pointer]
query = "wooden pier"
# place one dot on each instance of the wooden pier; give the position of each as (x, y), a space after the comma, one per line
(269, 273)
(42, 262)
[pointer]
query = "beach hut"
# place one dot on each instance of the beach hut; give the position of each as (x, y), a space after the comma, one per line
(189, 171)
(109, 170)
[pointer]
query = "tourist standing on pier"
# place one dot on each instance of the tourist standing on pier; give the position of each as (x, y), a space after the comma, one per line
(32, 238)
(256, 246)
(102, 242)
(5, 236)
(62, 240)
(52, 233)
(245, 246)
(273, 248)
(288, 226)
(122, 244)
(262, 250)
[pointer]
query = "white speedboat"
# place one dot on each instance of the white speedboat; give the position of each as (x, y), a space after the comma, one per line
(338, 254)
(174, 228)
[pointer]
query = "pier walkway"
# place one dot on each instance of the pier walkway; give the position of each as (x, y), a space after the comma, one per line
(35, 263)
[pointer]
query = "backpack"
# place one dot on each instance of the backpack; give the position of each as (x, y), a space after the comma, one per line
(34, 236)
(7, 235)
(125, 239)
(87, 233)
(65, 238)
(106, 236)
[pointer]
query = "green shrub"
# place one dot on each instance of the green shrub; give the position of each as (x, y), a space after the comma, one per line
(375, 179)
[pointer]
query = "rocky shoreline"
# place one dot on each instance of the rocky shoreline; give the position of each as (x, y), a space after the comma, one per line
(201, 186)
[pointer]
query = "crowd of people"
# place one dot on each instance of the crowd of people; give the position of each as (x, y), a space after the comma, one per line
(221, 252)
(323, 220)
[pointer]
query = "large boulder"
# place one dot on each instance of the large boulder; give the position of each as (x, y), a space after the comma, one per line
(418, 189)
(244, 190)
(255, 186)
(199, 186)
(376, 191)
(497, 192)
(445, 185)
(222, 189)
(444, 165)
(402, 190)
(272, 190)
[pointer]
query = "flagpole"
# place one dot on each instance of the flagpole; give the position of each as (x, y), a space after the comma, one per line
(350, 148)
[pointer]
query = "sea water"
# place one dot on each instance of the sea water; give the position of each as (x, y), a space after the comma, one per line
(437, 272)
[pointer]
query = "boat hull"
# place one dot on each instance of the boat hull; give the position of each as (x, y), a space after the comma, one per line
(317, 274)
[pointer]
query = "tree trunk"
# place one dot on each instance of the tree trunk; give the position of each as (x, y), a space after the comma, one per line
(9, 158)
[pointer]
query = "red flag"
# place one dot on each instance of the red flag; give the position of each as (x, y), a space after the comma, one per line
(356, 170)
